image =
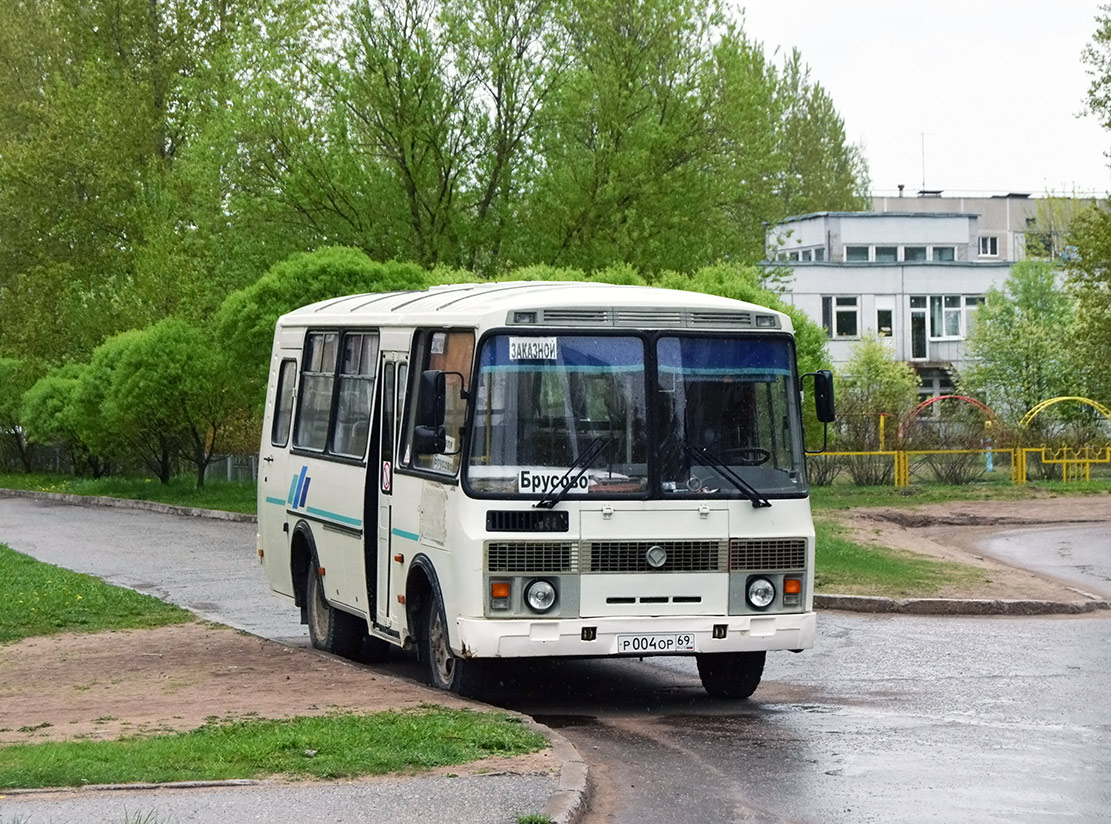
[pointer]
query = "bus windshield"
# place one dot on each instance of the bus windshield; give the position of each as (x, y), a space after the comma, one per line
(727, 413)
(584, 415)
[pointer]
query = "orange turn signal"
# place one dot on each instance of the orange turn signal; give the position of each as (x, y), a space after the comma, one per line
(499, 589)
(792, 586)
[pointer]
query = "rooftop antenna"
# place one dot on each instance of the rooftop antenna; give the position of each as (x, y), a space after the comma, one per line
(923, 136)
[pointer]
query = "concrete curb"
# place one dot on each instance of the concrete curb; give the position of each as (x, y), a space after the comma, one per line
(955, 606)
(569, 803)
(169, 785)
(127, 503)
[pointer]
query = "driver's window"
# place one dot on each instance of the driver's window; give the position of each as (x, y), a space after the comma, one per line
(449, 351)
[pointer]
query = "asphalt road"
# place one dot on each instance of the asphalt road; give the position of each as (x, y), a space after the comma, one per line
(890, 718)
(1080, 555)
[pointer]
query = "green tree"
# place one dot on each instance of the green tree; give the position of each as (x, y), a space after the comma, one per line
(871, 384)
(631, 146)
(874, 393)
(115, 174)
(16, 378)
(1089, 280)
(1021, 349)
(49, 414)
(93, 424)
(821, 169)
(173, 395)
(244, 324)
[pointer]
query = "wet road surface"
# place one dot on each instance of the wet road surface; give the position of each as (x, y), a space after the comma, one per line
(890, 718)
(1080, 555)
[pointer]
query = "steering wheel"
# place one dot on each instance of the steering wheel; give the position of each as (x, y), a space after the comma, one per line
(746, 455)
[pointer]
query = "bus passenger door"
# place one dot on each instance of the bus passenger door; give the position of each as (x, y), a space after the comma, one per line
(394, 372)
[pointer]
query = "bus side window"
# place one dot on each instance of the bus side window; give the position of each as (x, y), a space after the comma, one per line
(451, 352)
(283, 404)
(356, 393)
(318, 375)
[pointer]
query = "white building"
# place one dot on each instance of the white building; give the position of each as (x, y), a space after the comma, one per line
(914, 277)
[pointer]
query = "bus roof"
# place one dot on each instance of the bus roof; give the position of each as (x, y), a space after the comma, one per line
(540, 303)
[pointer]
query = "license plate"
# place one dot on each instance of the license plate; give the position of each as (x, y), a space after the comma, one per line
(652, 644)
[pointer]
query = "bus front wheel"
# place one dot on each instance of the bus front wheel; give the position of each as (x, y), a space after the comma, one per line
(330, 629)
(731, 674)
(446, 670)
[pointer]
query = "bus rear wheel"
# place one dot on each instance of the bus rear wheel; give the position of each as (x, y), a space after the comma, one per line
(446, 670)
(330, 629)
(731, 674)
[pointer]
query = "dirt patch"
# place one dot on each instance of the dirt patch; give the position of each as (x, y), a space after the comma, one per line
(105, 685)
(109, 684)
(953, 531)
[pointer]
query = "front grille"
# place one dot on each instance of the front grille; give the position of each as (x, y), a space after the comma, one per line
(767, 554)
(531, 520)
(629, 556)
(532, 556)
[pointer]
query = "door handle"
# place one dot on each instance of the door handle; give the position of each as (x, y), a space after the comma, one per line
(269, 459)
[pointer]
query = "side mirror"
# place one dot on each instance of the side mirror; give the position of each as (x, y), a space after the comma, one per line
(430, 440)
(823, 396)
(433, 399)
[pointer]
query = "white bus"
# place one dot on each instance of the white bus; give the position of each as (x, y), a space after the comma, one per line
(541, 469)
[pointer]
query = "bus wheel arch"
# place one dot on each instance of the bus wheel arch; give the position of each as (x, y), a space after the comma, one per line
(330, 629)
(428, 622)
(302, 551)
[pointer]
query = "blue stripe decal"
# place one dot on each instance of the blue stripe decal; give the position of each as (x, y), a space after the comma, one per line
(297, 492)
(401, 533)
(332, 516)
(272, 500)
(292, 492)
(304, 493)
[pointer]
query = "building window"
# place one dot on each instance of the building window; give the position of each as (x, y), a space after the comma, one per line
(945, 316)
(971, 304)
(887, 254)
(989, 246)
(856, 254)
(807, 255)
(841, 316)
(944, 253)
(919, 342)
(819, 255)
(883, 322)
(914, 253)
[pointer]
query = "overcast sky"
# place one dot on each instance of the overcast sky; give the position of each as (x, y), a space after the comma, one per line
(991, 88)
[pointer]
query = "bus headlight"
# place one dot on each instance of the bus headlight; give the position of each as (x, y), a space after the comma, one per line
(540, 595)
(760, 593)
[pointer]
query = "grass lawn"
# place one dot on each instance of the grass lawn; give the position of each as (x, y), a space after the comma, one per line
(222, 495)
(844, 567)
(41, 599)
(326, 747)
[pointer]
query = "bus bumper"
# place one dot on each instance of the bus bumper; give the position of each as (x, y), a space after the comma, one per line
(636, 637)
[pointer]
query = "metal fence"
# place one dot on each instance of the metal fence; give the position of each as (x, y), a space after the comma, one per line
(901, 467)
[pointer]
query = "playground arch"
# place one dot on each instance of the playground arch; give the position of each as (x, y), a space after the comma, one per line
(914, 413)
(1041, 407)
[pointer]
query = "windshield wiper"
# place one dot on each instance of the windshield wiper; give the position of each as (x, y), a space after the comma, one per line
(582, 463)
(708, 458)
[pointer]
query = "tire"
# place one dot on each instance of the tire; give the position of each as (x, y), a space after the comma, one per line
(330, 629)
(733, 675)
(445, 670)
